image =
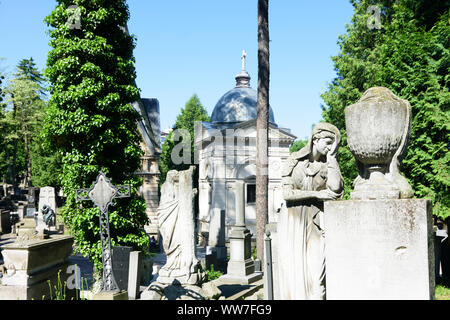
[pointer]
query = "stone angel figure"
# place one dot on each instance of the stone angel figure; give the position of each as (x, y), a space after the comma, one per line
(177, 228)
(310, 177)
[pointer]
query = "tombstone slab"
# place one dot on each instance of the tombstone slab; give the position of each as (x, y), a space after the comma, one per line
(46, 197)
(379, 249)
(30, 263)
(121, 266)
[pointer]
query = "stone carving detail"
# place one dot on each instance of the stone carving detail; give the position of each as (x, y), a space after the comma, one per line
(176, 224)
(310, 177)
(378, 128)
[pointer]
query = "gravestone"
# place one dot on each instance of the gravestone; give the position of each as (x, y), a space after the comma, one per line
(241, 267)
(134, 274)
(31, 262)
(216, 251)
(46, 197)
(379, 244)
(121, 265)
(102, 193)
(379, 249)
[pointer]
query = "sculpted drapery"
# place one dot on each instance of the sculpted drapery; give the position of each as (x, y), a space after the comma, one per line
(310, 177)
(176, 225)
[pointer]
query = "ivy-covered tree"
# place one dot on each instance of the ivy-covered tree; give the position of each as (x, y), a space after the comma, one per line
(91, 122)
(409, 54)
(192, 112)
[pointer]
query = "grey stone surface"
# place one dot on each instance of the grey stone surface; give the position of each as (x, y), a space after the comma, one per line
(378, 128)
(379, 249)
(46, 197)
(121, 266)
(311, 176)
(177, 228)
(30, 263)
(134, 274)
(210, 291)
(241, 267)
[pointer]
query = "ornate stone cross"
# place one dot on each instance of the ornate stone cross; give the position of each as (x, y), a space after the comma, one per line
(103, 192)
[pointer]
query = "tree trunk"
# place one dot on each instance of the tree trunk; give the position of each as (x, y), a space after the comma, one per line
(27, 179)
(262, 121)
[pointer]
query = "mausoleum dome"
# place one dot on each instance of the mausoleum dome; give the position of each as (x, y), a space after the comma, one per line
(240, 103)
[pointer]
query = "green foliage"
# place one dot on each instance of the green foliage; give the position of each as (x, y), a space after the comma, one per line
(213, 274)
(442, 292)
(90, 120)
(410, 56)
(192, 112)
(20, 123)
(297, 145)
(60, 289)
(26, 69)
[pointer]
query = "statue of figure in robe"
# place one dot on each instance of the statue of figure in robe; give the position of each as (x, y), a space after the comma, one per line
(177, 228)
(310, 176)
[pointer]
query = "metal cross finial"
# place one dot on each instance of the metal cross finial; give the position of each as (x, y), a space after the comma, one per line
(244, 55)
(102, 193)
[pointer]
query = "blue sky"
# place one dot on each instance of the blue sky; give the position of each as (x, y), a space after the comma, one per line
(186, 47)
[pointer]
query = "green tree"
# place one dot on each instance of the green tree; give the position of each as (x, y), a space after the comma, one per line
(91, 122)
(26, 69)
(297, 145)
(192, 112)
(410, 55)
(26, 109)
(3, 164)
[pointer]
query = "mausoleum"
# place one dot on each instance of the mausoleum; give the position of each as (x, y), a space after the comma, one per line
(227, 153)
(149, 128)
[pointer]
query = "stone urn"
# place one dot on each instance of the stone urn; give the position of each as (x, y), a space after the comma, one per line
(378, 128)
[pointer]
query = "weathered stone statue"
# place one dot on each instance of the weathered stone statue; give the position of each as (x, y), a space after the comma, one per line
(378, 128)
(176, 224)
(310, 177)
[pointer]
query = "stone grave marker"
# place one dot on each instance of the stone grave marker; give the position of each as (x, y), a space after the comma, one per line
(102, 193)
(134, 274)
(121, 266)
(46, 197)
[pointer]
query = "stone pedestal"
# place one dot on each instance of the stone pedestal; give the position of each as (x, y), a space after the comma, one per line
(241, 267)
(379, 249)
(30, 264)
(216, 240)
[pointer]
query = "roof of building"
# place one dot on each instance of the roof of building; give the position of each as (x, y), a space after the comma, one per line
(240, 103)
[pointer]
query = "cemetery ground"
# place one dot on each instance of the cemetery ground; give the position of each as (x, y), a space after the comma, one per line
(86, 270)
(87, 281)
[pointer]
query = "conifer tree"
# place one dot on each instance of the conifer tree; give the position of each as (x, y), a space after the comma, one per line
(192, 112)
(409, 54)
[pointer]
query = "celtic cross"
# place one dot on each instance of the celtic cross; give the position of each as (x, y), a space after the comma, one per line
(102, 193)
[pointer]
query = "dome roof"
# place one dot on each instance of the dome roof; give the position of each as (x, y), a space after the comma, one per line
(238, 104)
